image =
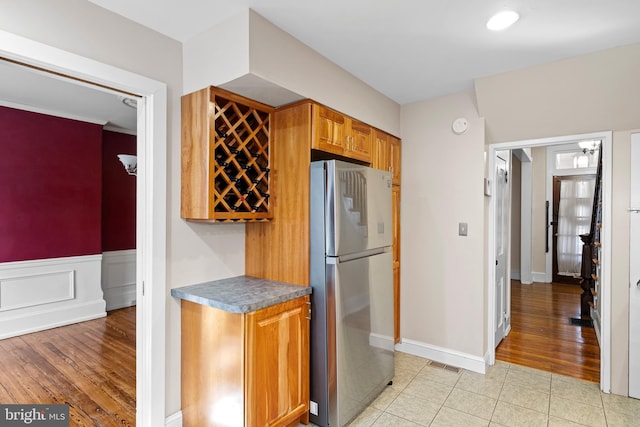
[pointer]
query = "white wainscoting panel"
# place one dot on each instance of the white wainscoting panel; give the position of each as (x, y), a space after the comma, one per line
(36, 289)
(119, 278)
(42, 294)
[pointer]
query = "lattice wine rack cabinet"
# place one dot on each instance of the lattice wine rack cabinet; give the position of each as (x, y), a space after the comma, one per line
(225, 157)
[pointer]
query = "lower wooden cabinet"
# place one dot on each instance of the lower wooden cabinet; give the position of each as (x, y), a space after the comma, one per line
(245, 369)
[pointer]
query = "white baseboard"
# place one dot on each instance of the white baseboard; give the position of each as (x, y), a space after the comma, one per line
(174, 420)
(539, 277)
(41, 294)
(119, 278)
(515, 274)
(444, 355)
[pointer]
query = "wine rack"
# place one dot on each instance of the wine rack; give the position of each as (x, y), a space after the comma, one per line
(225, 157)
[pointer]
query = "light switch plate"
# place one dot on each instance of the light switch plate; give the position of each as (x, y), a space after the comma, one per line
(462, 229)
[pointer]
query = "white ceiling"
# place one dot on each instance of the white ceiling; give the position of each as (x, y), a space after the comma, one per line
(409, 50)
(414, 49)
(29, 89)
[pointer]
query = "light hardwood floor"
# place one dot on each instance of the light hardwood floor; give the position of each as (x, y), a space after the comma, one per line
(542, 336)
(91, 366)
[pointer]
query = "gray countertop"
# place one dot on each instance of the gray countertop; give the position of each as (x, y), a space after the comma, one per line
(241, 294)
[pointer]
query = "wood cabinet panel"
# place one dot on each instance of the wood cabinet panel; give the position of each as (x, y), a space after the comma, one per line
(395, 155)
(249, 369)
(278, 364)
(212, 380)
(387, 154)
(382, 152)
(395, 199)
(361, 141)
(225, 157)
(279, 249)
(329, 130)
(338, 134)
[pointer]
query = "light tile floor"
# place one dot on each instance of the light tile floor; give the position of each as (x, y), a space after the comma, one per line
(426, 393)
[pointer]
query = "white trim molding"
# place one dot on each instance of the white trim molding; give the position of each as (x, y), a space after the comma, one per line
(174, 420)
(151, 202)
(444, 355)
(119, 278)
(36, 295)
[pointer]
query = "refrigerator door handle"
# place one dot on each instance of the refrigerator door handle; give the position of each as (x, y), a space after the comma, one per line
(357, 255)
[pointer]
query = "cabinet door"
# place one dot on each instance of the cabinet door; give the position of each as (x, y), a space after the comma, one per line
(329, 130)
(394, 158)
(381, 159)
(277, 364)
(395, 201)
(360, 141)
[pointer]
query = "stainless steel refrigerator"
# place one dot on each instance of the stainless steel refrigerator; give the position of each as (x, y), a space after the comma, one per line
(352, 347)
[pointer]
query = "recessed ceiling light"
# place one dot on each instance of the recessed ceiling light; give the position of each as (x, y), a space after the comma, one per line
(502, 20)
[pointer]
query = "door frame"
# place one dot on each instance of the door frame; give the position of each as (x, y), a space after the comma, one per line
(150, 200)
(505, 325)
(606, 147)
(634, 271)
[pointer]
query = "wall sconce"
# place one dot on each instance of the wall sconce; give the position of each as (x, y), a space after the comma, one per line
(589, 146)
(130, 163)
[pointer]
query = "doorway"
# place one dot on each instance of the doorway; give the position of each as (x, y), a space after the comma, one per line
(150, 199)
(606, 138)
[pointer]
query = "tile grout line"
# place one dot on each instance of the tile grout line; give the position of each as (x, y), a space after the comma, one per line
(504, 380)
(459, 372)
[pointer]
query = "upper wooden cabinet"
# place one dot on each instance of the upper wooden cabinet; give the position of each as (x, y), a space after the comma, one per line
(225, 157)
(387, 154)
(336, 133)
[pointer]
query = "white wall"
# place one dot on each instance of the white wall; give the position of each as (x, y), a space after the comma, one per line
(217, 55)
(283, 60)
(269, 53)
(538, 213)
(589, 93)
(443, 289)
(516, 201)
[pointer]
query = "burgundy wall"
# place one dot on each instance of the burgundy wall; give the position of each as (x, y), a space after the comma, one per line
(118, 194)
(50, 186)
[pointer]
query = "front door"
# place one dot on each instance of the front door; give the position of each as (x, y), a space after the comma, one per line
(634, 271)
(575, 194)
(503, 210)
